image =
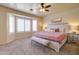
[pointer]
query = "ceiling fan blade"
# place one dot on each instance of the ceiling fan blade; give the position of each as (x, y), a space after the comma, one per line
(42, 5)
(46, 10)
(47, 6)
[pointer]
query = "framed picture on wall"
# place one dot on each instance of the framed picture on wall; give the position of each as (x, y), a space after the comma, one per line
(56, 20)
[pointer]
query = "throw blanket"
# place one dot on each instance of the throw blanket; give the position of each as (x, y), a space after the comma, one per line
(53, 36)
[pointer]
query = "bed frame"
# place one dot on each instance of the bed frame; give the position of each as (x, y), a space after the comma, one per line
(50, 44)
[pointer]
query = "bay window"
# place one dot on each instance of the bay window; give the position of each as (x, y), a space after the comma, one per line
(21, 24)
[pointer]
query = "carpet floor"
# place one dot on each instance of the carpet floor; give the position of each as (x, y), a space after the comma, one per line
(24, 47)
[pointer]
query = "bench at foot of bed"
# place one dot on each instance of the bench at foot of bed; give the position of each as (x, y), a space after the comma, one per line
(50, 44)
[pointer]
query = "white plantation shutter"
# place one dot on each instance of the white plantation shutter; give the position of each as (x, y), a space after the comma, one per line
(27, 25)
(34, 25)
(11, 23)
(20, 25)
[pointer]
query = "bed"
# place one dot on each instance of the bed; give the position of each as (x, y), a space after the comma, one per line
(54, 37)
(54, 40)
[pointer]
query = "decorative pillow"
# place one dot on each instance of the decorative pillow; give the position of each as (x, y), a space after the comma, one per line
(52, 30)
(57, 30)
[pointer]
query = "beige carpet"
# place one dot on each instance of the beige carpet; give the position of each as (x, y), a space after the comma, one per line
(24, 47)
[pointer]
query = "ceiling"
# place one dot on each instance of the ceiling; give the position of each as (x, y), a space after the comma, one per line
(55, 8)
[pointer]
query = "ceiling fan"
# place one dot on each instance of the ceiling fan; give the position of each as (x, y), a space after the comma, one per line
(44, 7)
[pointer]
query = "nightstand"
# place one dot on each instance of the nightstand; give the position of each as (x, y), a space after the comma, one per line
(73, 37)
(76, 42)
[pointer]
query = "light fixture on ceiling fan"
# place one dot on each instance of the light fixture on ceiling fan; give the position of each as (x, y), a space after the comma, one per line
(44, 8)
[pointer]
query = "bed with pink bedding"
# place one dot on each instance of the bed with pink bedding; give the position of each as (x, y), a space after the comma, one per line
(55, 39)
(55, 36)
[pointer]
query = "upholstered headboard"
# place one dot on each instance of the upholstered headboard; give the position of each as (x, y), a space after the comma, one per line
(58, 27)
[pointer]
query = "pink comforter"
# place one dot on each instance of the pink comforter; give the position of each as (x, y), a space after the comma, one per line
(55, 36)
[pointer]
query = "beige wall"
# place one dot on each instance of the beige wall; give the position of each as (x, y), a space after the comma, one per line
(4, 37)
(69, 16)
(2, 28)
